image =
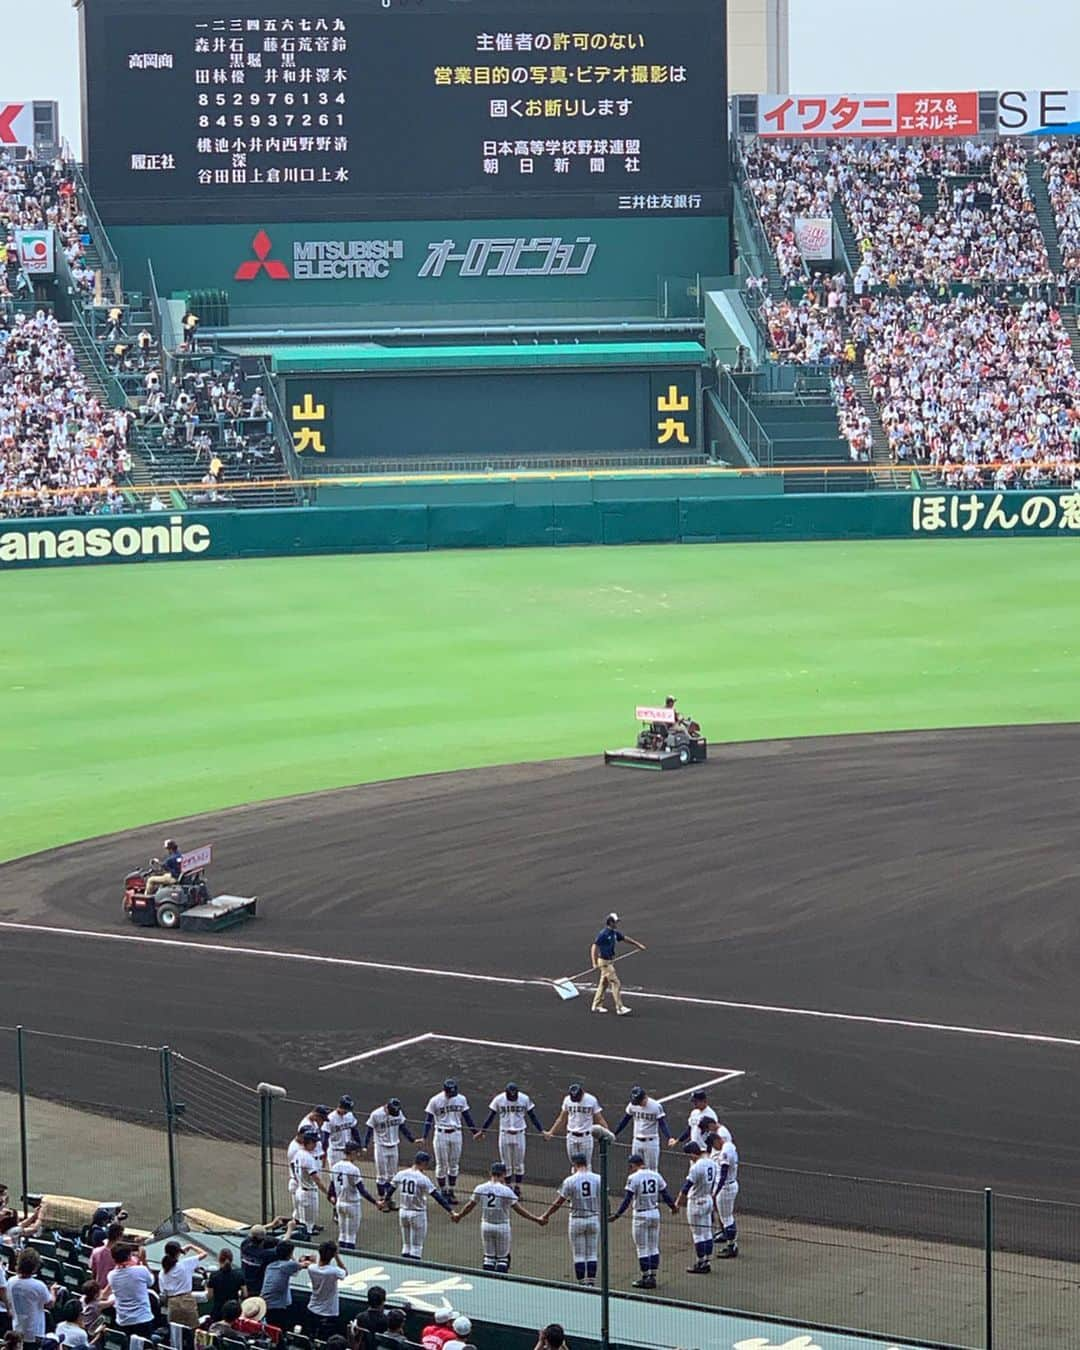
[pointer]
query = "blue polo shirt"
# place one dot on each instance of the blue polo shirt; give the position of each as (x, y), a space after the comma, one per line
(606, 941)
(173, 864)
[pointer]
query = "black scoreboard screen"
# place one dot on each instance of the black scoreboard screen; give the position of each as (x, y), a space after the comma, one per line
(208, 112)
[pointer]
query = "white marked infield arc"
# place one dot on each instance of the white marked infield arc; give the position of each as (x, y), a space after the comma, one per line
(905, 1023)
(717, 1075)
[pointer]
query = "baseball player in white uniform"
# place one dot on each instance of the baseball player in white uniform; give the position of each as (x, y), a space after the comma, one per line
(645, 1188)
(415, 1186)
(386, 1125)
(316, 1120)
(726, 1157)
(349, 1191)
(581, 1191)
(699, 1195)
(580, 1112)
(444, 1114)
(514, 1110)
(496, 1199)
(700, 1123)
(304, 1180)
(650, 1124)
(341, 1126)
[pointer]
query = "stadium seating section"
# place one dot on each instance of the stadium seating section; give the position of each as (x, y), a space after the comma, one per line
(944, 338)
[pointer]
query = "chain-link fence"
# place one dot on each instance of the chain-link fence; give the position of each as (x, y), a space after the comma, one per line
(159, 1132)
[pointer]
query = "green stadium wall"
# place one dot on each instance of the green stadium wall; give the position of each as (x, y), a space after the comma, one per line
(503, 524)
(639, 267)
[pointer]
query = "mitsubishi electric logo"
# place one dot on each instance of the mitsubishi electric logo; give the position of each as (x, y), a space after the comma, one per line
(324, 260)
(274, 268)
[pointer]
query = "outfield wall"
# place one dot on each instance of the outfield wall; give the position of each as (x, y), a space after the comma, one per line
(229, 533)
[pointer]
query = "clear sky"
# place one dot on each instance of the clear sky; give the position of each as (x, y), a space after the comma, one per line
(854, 46)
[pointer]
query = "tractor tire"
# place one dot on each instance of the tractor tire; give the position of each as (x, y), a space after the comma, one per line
(684, 754)
(168, 915)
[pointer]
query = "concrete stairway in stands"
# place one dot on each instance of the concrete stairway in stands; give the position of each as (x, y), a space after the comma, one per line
(804, 431)
(1043, 210)
(886, 474)
(1071, 324)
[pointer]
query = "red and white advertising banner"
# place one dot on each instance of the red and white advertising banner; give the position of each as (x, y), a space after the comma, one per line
(938, 114)
(16, 125)
(666, 715)
(813, 238)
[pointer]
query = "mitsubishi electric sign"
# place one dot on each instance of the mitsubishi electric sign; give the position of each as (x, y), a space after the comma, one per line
(374, 259)
(322, 260)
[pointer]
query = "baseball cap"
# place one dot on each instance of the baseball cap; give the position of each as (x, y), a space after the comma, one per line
(699, 1096)
(693, 1147)
(636, 1158)
(444, 1316)
(612, 918)
(462, 1326)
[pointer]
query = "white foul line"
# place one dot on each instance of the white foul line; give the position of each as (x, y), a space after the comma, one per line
(1030, 1037)
(535, 1050)
(700, 1087)
(379, 1050)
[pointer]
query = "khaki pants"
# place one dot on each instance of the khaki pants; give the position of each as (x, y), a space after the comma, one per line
(159, 879)
(184, 1309)
(609, 979)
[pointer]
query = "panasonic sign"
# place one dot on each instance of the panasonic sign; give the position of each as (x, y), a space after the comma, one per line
(167, 539)
(345, 259)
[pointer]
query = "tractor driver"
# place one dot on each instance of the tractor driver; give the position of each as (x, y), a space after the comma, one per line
(171, 867)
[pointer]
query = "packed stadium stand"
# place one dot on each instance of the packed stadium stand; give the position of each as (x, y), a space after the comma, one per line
(944, 337)
(956, 347)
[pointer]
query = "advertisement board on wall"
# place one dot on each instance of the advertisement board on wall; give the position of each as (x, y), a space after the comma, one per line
(16, 125)
(951, 113)
(1038, 112)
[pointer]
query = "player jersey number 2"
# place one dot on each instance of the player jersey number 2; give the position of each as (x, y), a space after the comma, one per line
(491, 1201)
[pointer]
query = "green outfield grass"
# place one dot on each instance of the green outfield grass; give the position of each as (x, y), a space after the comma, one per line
(133, 694)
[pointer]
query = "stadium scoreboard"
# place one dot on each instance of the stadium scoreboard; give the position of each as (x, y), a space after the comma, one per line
(291, 110)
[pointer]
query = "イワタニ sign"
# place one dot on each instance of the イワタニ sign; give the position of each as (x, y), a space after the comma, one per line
(1038, 112)
(37, 252)
(665, 715)
(813, 238)
(16, 125)
(952, 113)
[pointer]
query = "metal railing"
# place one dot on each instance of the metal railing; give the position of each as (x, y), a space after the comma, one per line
(282, 434)
(110, 263)
(754, 435)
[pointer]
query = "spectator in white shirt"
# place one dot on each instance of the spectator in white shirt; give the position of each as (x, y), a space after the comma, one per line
(324, 1305)
(130, 1285)
(176, 1283)
(29, 1297)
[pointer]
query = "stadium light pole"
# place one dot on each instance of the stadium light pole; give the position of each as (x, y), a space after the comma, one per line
(267, 1092)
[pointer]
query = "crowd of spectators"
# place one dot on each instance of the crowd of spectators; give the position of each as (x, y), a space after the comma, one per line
(1061, 165)
(786, 180)
(977, 223)
(40, 196)
(974, 381)
(250, 1300)
(810, 329)
(210, 414)
(961, 383)
(62, 451)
